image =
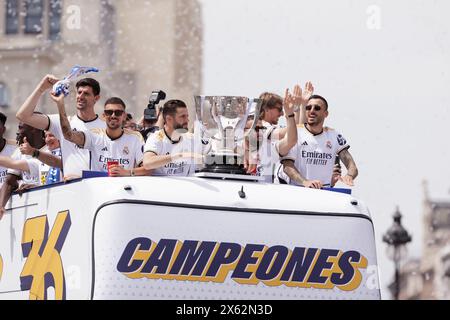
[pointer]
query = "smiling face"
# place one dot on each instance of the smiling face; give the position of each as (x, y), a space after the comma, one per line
(316, 112)
(114, 115)
(86, 98)
(51, 141)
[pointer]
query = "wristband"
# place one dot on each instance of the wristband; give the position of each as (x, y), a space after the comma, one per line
(291, 116)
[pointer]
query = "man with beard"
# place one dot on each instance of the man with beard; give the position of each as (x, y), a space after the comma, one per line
(75, 160)
(113, 144)
(170, 151)
(310, 162)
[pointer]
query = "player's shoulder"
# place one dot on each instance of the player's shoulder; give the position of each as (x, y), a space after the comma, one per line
(98, 131)
(329, 129)
(133, 134)
(157, 136)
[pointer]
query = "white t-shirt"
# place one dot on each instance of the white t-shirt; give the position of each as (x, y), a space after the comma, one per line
(160, 144)
(127, 150)
(314, 155)
(268, 155)
(7, 151)
(38, 170)
(75, 159)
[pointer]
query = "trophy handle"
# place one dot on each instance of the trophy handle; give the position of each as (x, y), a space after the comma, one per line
(241, 125)
(257, 112)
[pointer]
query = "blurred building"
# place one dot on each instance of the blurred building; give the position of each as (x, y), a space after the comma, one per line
(429, 276)
(138, 45)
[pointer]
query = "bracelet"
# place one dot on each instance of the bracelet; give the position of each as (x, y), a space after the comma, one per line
(36, 153)
(291, 116)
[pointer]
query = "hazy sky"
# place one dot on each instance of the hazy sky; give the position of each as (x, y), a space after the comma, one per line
(384, 67)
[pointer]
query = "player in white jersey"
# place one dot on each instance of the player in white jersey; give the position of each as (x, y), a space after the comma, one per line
(50, 155)
(7, 147)
(171, 151)
(310, 163)
(110, 144)
(270, 146)
(25, 168)
(75, 159)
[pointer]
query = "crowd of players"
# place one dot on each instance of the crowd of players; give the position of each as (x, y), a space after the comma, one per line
(57, 147)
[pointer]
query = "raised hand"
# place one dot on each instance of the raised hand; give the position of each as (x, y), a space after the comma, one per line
(291, 101)
(307, 92)
(48, 82)
(26, 148)
(59, 100)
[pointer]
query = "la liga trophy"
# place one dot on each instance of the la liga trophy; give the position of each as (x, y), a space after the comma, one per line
(222, 120)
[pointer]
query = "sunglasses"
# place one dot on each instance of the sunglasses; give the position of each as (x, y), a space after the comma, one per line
(315, 107)
(118, 113)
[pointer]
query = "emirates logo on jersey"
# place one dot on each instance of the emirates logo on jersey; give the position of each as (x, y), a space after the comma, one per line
(126, 150)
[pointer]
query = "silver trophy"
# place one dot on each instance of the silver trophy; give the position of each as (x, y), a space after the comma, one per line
(221, 120)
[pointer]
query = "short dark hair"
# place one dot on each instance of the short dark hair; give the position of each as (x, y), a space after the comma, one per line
(170, 107)
(129, 116)
(316, 96)
(89, 82)
(3, 118)
(115, 100)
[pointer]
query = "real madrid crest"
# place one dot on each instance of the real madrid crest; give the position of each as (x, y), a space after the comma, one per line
(126, 150)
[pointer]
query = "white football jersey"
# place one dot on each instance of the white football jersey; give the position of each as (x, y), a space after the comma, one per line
(127, 149)
(7, 151)
(160, 144)
(38, 170)
(75, 159)
(314, 155)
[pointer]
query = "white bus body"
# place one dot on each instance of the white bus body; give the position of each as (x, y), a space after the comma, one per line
(186, 238)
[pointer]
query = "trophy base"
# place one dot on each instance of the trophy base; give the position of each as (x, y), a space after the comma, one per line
(229, 176)
(224, 163)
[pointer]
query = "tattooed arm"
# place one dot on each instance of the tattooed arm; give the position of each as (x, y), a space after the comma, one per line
(352, 170)
(76, 137)
(292, 172)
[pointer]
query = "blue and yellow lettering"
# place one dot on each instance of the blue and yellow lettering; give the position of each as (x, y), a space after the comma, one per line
(350, 276)
(193, 257)
(246, 259)
(160, 257)
(128, 262)
(322, 264)
(226, 254)
(272, 263)
(298, 265)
